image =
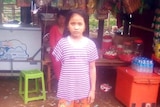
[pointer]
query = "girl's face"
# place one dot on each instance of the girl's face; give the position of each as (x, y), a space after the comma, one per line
(76, 26)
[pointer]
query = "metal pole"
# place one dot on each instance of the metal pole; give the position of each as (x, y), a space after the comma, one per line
(100, 33)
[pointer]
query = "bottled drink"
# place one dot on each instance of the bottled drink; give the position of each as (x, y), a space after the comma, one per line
(151, 65)
(142, 64)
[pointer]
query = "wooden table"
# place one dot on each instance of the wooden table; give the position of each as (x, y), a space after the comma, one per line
(100, 62)
(111, 62)
(47, 63)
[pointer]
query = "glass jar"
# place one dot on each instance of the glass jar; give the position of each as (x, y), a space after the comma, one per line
(138, 47)
(107, 42)
(127, 52)
(127, 48)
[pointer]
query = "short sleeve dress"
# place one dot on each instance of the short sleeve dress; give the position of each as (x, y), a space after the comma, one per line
(74, 82)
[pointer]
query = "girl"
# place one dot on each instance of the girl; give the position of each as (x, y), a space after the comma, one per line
(77, 53)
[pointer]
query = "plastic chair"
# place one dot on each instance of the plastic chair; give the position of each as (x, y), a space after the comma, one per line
(26, 76)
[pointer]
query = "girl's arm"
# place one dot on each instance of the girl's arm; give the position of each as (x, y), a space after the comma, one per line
(93, 75)
(92, 68)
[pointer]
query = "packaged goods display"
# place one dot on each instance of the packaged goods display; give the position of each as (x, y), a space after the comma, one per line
(143, 64)
(123, 48)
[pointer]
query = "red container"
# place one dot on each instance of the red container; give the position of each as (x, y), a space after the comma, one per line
(107, 42)
(136, 89)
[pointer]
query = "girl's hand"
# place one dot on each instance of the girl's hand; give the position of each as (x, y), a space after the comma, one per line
(91, 97)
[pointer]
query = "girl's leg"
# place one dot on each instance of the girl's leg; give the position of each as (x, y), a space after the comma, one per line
(65, 103)
(81, 103)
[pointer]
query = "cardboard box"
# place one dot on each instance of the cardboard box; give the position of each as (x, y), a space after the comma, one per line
(135, 89)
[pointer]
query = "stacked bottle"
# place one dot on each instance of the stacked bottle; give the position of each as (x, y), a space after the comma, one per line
(143, 64)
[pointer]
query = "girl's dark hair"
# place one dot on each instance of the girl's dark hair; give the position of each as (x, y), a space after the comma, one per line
(81, 13)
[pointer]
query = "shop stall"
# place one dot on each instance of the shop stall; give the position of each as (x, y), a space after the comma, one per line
(20, 47)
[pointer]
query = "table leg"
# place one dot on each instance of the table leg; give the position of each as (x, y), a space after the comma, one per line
(49, 77)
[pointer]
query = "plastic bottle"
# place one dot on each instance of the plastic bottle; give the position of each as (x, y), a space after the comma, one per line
(151, 65)
(148, 65)
(140, 67)
(144, 65)
(134, 64)
(138, 64)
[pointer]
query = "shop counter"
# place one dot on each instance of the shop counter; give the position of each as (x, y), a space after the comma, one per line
(111, 62)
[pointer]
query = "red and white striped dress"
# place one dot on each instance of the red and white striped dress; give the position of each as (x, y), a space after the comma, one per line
(74, 82)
